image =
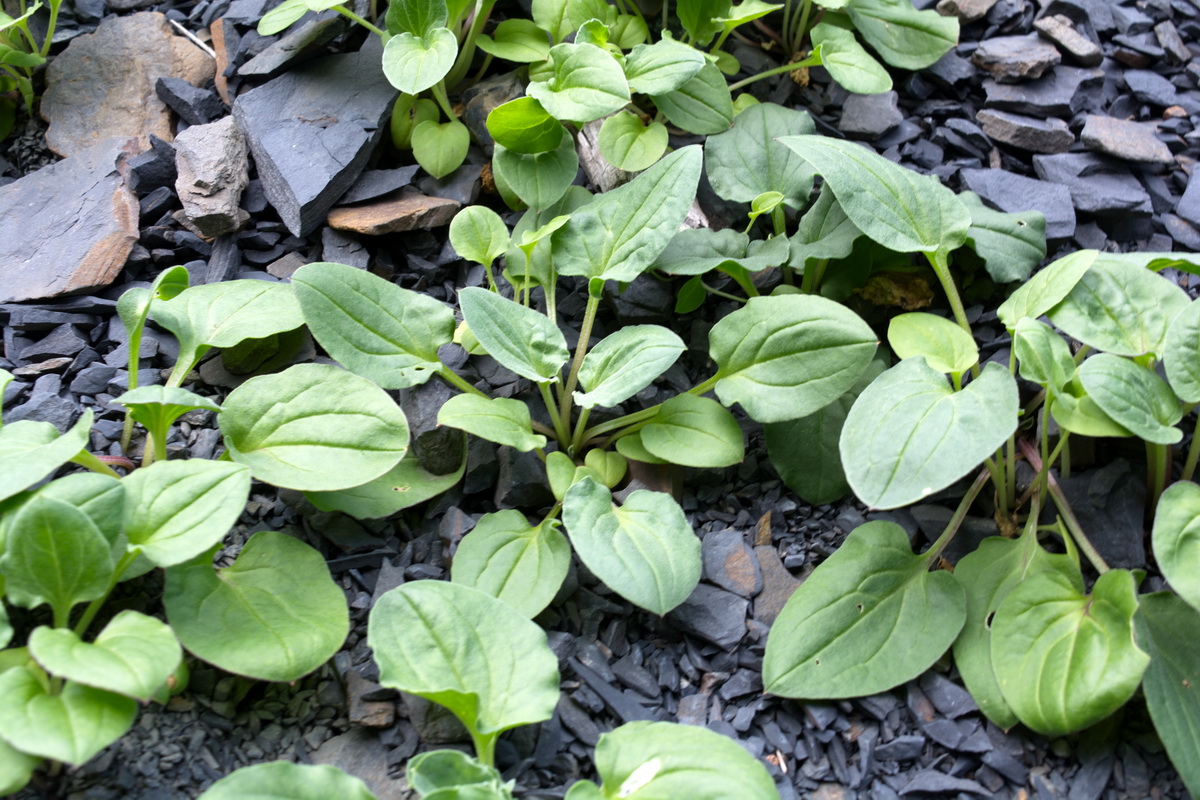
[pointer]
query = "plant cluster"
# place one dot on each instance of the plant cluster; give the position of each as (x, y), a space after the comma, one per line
(21, 54)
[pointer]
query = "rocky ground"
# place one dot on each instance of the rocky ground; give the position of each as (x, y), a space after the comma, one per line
(1081, 109)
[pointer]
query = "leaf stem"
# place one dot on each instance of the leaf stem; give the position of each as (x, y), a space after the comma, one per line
(458, 382)
(89, 461)
(1158, 467)
(90, 613)
(350, 15)
(1189, 466)
(1064, 508)
(439, 94)
(960, 514)
(561, 432)
(580, 427)
(811, 61)
(635, 418)
(705, 386)
(585, 334)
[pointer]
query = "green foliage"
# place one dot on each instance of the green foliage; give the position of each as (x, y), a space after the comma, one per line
(506, 557)
(283, 779)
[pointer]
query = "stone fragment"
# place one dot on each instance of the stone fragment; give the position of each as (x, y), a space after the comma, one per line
(965, 10)
(869, 116)
(730, 563)
(297, 41)
(361, 753)
(312, 130)
(1109, 503)
(283, 268)
(376, 183)
(1010, 59)
(1007, 191)
(343, 248)
(1049, 135)
(778, 585)
(409, 211)
(1150, 87)
(1171, 42)
(68, 227)
(213, 169)
(1188, 206)
(1079, 48)
(194, 105)
(1128, 140)
(1063, 92)
(1098, 185)
(1130, 19)
(220, 79)
(1138, 51)
(103, 85)
(951, 69)
(362, 709)
(480, 99)
(153, 169)
(902, 748)
(46, 403)
(713, 614)
(932, 781)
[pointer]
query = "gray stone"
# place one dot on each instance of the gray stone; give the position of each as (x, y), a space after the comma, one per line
(730, 563)
(46, 404)
(1128, 140)
(1010, 59)
(377, 183)
(343, 248)
(1048, 135)
(1188, 206)
(869, 116)
(480, 99)
(902, 748)
(312, 130)
(951, 69)
(1172, 44)
(1063, 92)
(155, 168)
(65, 340)
(102, 85)
(298, 41)
(361, 753)
(1109, 503)
(68, 227)
(194, 105)
(213, 169)
(1079, 48)
(1150, 87)
(1010, 192)
(934, 782)
(1130, 20)
(93, 380)
(778, 585)
(965, 10)
(713, 614)
(1098, 185)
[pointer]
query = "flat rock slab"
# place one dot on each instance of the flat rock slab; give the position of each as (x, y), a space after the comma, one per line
(312, 130)
(1037, 135)
(1125, 139)
(409, 211)
(1063, 92)
(1098, 185)
(1012, 193)
(103, 85)
(1010, 59)
(1060, 30)
(68, 227)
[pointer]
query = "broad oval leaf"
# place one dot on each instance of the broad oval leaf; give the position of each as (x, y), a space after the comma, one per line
(630, 145)
(540, 179)
(1042, 355)
(1176, 539)
(644, 551)
(335, 430)
(824, 232)
(1076, 412)
(905, 37)
(747, 160)
(661, 67)
(283, 780)
(157, 407)
(625, 362)
(1066, 660)
(71, 726)
(373, 327)
(1133, 396)
(695, 251)
(1045, 289)
(898, 208)
(1011, 245)
(478, 234)
(519, 40)
(523, 126)
(871, 617)
(848, 62)
(521, 339)
(1181, 354)
(414, 63)
(695, 432)
(586, 83)
(506, 557)
(786, 356)
(133, 656)
(401, 487)
(910, 434)
(176, 510)
(281, 17)
(944, 344)
(467, 651)
(32, 450)
(417, 17)
(275, 614)
(16, 768)
(497, 419)
(440, 147)
(703, 105)
(439, 774)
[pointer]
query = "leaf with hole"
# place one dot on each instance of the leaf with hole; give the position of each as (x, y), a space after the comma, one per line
(1176, 539)
(506, 557)
(944, 344)
(625, 362)
(695, 432)
(1133, 396)
(1010, 245)
(521, 339)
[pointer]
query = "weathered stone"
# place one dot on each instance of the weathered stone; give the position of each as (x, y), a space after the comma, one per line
(713, 614)
(361, 753)
(1128, 140)
(1010, 59)
(154, 168)
(778, 585)
(1063, 92)
(102, 85)
(1098, 185)
(1109, 503)
(213, 169)
(951, 69)
(194, 105)
(68, 227)
(283, 268)
(408, 212)
(361, 708)
(378, 182)
(1171, 42)
(730, 563)
(220, 80)
(599, 170)
(484, 96)
(1010, 192)
(965, 10)
(1079, 48)
(343, 248)
(1049, 135)
(1131, 20)
(65, 340)
(1188, 206)
(312, 130)
(869, 116)
(298, 41)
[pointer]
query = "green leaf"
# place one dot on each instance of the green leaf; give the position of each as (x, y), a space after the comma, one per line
(71, 726)
(987, 575)
(747, 11)
(695, 432)
(661, 67)
(414, 63)
(54, 554)
(100, 497)
(281, 17)
(1120, 308)
(1176, 539)
(824, 233)
(1181, 353)
(1169, 630)
(848, 61)
(910, 434)
(407, 114)
(652, 760)
(786, 356)
(1133, 396)
(6, 632)
(747, 160)
(1042, 355)
(335, 430)
(447, 769)
(944, 344)
(523, 126)
(497, 419)
(403, 486)
(702, 105)
(701, 18)
(373, 327)
(440, 147)
(629, 145)
(1066, 660)
(628, 31)
(176, 510)
(511, 560)
(898, 208)
(871, 617)
(552, 17)
(16, 768)
(902, 35)
(695, 251)
(157, 407)
(478, 234)
(586, 83)
(418, 17)
(611, 467)
(283, 780)
(1076, 412)
(133, 656)
(519, 40)
(625, 362)
(32, 450)
(275, 614)
(644, 551)
(1011, 245)
(621, 232)
(521, 339)
(467, 651)
(1045, 289)
(593, 32)
(630, 446)
(541, 179)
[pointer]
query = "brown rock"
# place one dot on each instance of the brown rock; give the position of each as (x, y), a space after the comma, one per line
(1012, 59)
(409, 211)
(1048, 135)
(102, 85)
(1060, 30)
(217, 31)
(368, 713)
(965, 10)
(778, 585)
(1125, 139)
(68, 227)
